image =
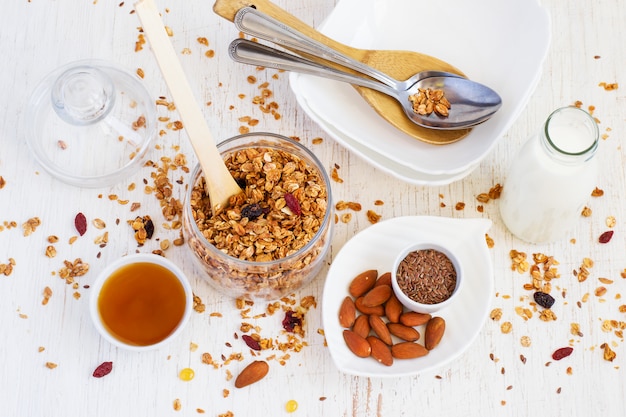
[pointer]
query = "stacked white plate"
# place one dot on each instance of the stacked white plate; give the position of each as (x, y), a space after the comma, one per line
(500, 44)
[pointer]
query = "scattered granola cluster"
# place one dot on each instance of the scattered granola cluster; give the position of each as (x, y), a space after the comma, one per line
(609, 86)
(542, 271)
(71, 271)
(143, 227)
(263, 100)
(47, 294)
(7, 225)
(342, 206)
(293, 323)
(31, 225)
(163, 190)
(7, 268)
(484, 198)
(353, 206)
(334, 174)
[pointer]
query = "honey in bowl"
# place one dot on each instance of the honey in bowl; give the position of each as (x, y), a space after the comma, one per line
(142, 303)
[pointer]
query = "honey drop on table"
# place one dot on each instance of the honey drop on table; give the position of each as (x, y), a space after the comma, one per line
(142, 303)
(186, 374)
(291, 406)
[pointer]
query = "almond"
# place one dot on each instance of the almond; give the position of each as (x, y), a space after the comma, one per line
(380, 351)
(252, 373)
(378, 310)
(357, 344)
(347, 312)
(377, 296)
(361, 325)
(380, 328)
(384, 279)
(412, 319)
(408, 350)
(403, 332)
(362, 283)
(393, 309)
(434, 332)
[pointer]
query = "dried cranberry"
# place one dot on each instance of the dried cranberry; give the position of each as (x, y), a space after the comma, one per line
(252, 211)
(80, 222)
(543, 299)
(103, 369)
(605, 237)
(562, 353)
(291, 321)
(293, 204)
(252, 344)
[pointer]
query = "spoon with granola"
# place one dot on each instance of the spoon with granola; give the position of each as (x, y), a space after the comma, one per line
(444, 102)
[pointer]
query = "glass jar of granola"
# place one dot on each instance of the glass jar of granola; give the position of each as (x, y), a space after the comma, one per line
(552, 177)
(274, 237)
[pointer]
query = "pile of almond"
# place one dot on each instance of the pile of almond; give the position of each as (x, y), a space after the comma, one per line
(377, 325)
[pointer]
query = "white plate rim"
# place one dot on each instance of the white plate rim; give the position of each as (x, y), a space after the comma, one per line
(400, 171)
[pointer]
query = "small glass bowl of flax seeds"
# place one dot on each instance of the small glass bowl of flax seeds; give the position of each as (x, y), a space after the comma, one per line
(426, 277)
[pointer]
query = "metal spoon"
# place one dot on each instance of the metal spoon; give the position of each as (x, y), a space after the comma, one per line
(471, 102)
(253, 22)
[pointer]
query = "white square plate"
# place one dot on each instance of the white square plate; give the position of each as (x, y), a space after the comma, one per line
(500, 44)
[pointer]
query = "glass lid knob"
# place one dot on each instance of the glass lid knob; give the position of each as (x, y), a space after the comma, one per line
(83, 95)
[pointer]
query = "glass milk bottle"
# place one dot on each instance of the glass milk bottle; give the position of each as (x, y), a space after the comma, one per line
(551, 178)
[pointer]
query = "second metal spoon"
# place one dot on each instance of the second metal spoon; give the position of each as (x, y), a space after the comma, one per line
(471, 103)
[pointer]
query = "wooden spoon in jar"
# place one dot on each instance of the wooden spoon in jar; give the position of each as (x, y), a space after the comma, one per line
(220, 185)
(397, 64)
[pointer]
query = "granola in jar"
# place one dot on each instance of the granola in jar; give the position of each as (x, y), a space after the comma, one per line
(272, 239)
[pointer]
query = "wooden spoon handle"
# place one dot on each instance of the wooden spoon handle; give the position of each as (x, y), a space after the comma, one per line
(219, 182)
(229, 8)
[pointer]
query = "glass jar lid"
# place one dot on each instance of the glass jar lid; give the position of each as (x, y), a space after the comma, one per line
(90, 123)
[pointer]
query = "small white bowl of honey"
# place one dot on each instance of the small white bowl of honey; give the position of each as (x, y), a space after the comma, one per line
(141, 302)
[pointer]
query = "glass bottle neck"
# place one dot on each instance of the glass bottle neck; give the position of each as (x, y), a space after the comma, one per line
(570, 135)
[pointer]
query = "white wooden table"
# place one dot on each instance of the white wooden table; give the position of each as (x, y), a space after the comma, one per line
(490, 379)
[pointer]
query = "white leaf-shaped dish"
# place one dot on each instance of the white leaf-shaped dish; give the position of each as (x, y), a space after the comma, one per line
(376, 248)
